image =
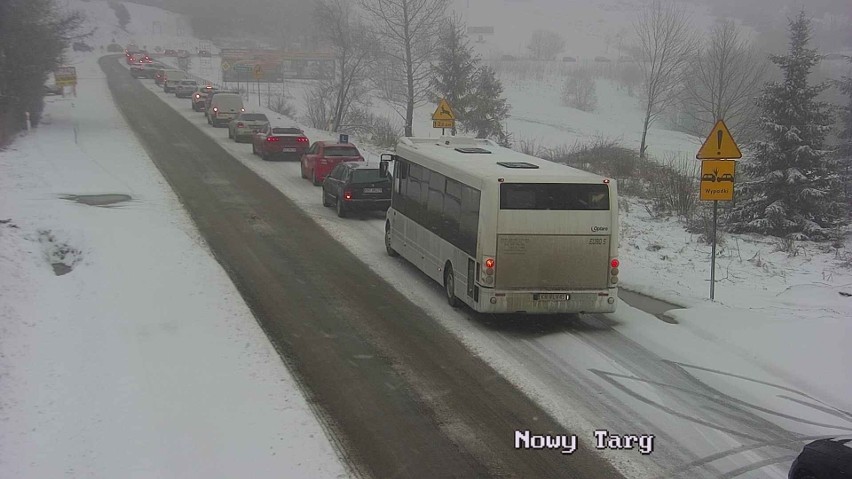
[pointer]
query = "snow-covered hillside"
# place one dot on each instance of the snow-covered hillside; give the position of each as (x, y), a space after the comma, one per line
(149, 27)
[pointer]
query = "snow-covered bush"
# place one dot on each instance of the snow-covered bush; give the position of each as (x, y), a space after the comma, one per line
(280, 103)
(578, 91)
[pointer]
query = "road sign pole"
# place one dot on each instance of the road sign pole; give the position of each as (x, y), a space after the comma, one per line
(258, 91)
(713, 254)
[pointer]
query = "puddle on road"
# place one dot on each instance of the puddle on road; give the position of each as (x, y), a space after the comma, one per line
(98, 200)
(650, 305)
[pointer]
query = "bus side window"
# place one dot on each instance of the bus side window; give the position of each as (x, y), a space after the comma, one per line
(400, 186)
(412, 195)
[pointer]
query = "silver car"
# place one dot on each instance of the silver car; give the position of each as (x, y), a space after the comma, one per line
(185, 88)
(245, 125)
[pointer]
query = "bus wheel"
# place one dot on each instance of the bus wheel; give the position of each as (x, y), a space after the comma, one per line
(391, 251)
(450, 287)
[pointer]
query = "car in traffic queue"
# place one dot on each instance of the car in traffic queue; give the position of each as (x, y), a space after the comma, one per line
(185, 88)
(140, 56)
(171, 78)
(204, 53)
(245, 125)
(278, 141)
(168, 52)
(223, 108)
(145, 70)
(355, 185)
(323, 156)
(209, 100)
(160, 76)
(199, 97)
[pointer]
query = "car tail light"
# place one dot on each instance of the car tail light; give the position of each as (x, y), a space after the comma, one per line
(241, 125)
(197, 96)
(487, 275)
(273, 138)
(302, 139)
(347, 195)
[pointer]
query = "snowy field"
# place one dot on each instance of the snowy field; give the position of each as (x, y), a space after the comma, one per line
(141, 359)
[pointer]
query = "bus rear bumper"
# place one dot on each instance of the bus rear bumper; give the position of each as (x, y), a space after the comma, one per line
(599, 301)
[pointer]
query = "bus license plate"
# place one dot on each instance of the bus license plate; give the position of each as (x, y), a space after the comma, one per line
(550, 297)
(372, 190)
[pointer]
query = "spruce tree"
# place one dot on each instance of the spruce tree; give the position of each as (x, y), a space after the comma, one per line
(455, 68)
(488, 110)
(791, 188)
(844, 150)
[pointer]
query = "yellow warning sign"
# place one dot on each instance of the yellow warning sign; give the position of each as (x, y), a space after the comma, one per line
(717, 180)
(720, 145)
(65, 76)
(258, 72)
(225, 66)
(443, 112)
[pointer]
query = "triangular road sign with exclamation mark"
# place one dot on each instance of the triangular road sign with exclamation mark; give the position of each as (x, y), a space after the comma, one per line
(720, 145)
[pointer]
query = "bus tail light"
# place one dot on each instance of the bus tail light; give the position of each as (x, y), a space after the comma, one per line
(488, 270)
(613, 272)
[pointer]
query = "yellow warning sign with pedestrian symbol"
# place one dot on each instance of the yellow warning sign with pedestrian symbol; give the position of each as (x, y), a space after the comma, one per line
(720, 145)
(717, 180)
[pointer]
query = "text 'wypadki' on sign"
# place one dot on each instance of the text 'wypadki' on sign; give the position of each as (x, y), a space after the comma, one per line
(720, 145)
(717, 180)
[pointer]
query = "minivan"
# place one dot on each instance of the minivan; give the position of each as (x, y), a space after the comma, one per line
(171, 79)
(224, 107)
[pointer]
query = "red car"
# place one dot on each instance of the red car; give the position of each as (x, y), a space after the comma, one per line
(323, 156)
(271, 141)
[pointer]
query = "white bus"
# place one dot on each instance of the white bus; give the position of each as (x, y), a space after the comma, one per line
(504, 232)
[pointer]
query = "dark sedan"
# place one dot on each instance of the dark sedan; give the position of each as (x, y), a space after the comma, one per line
(356, 186)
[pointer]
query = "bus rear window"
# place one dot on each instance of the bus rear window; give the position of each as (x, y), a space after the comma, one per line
(554, 196)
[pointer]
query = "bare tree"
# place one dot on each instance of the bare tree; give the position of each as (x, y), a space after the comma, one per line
(353, 55)
(665, 46)
(723, 81)
(545, 45)
(408, 32)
